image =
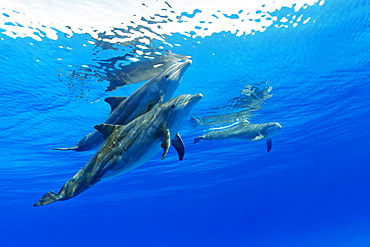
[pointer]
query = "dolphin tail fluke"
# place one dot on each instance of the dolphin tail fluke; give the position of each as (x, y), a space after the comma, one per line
(48, 198)
(198, 139)
(75, 148)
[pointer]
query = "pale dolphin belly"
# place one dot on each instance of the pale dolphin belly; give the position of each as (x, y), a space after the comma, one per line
(128, 163)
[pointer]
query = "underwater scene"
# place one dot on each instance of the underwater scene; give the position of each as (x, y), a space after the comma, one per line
(185, 123)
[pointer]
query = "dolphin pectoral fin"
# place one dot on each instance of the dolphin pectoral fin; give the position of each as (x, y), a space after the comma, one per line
(48, 198)
(114, 101)
(154, 103)
(179, 146)
(259, 137)
(150, 106)
(106, 129)
(165, 143)
(269, 144)
(65, 149)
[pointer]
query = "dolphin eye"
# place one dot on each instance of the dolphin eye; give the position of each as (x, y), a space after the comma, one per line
(166, 76)
(172, 106)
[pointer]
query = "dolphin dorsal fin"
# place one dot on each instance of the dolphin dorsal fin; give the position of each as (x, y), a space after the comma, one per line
(106, 129)
(114, 101)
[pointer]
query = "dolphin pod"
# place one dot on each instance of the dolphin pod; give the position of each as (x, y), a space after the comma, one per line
(142, 124)
(128, 146)
(245, 131)
(123, 110)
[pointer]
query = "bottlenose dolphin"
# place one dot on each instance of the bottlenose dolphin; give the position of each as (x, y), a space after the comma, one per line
(128, 146)
(245, 131)
(141, 70)
(124, 109)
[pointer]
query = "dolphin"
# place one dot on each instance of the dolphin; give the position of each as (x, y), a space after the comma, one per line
(124, 109)
(128, 146)
(245, 131)
(141, 70)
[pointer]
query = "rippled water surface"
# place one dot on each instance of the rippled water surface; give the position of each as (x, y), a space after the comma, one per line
(304, 64)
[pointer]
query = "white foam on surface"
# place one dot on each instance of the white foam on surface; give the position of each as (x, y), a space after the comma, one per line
(41, 19)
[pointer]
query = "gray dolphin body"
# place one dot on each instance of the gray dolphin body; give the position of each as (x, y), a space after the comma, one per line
(123, 110)
(128, 146)
(142, 70)
(245, 131)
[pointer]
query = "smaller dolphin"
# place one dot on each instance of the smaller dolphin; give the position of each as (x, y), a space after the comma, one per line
(128, 146)
(245, 131)
(123, 110)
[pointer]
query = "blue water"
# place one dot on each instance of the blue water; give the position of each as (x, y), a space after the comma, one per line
(312, 189)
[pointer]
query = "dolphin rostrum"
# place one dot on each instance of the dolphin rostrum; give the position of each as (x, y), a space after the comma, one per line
(245, 131)
(124, 109)
(128, 146)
